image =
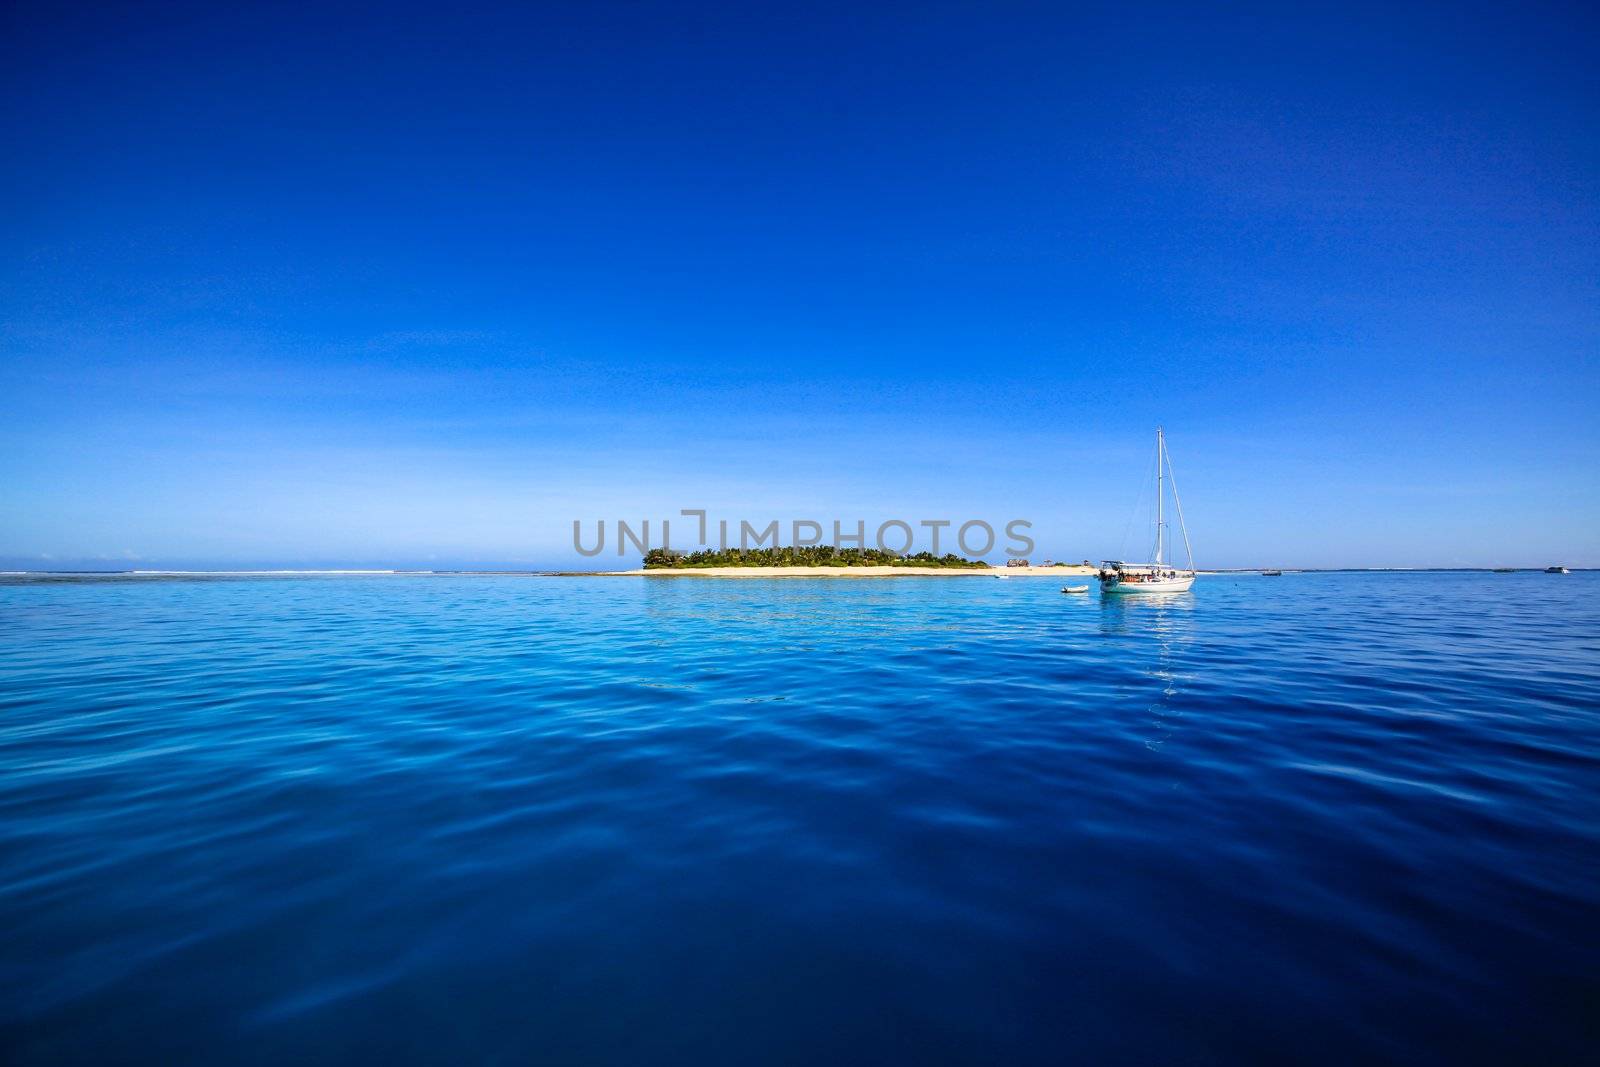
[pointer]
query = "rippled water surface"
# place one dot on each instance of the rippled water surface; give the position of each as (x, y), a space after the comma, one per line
(1330, 818)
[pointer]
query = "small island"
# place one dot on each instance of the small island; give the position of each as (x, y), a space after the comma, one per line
(804, 556)
(826, 561)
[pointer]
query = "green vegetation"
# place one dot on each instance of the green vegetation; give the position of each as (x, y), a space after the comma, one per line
(808, 556)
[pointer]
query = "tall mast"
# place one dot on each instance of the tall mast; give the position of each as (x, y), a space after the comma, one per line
(1161, 454)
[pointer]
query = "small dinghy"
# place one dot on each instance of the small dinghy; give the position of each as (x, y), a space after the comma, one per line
(1074, 589)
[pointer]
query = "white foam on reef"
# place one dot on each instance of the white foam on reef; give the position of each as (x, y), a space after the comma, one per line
(325, 571)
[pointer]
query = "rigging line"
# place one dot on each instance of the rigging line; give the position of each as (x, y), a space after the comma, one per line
(1127, 527)
(1181, 524)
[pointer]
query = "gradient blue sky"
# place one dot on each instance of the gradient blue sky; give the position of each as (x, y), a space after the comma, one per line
(418, 286)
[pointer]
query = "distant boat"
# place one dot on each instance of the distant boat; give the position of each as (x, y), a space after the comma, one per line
(1074, 589)
(1157, 576)
(1556, 570)
(1272, 574)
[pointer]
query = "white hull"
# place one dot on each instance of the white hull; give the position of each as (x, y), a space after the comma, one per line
(1164, 585)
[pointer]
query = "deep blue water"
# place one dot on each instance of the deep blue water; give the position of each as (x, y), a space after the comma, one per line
(1321, 818)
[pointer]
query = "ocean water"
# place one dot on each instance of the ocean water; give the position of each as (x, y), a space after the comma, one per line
(1323, 818)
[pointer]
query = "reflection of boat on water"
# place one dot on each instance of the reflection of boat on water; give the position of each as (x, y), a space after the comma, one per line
(1157, 576)
(1155, 634)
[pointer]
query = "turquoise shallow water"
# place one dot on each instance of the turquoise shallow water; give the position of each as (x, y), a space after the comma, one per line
(1322, 818)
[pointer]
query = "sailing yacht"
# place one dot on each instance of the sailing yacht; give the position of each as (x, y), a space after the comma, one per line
(1159, 575)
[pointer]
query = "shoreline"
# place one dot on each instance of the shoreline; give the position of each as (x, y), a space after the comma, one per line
(1074, 571)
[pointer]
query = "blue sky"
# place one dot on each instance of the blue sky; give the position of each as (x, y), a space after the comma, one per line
(388, 286)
